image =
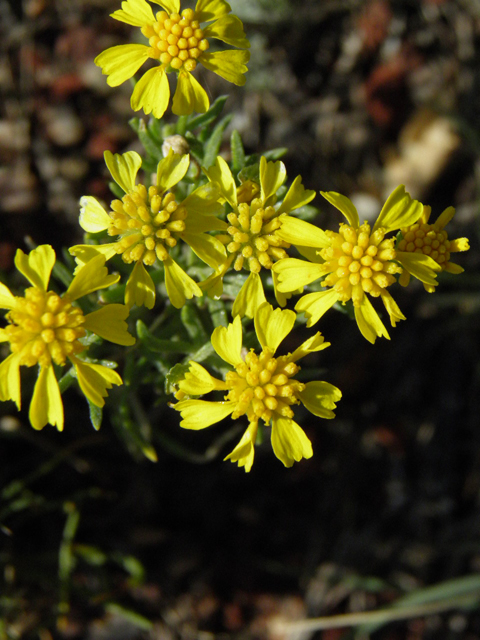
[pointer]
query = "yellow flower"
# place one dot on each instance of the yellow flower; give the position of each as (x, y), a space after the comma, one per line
(45, 328)
(178, 43)
(149, 223)
(354, 262)
(429, 239)
(259, 386)
(252, 241)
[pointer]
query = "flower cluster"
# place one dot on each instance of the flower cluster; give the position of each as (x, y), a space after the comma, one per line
(198, 230)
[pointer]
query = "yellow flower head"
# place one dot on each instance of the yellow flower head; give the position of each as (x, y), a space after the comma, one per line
(353, 262)
(178, 42)
(251, 239)
(429, 239)
(148, 224)
(45, 328)
(260, 386)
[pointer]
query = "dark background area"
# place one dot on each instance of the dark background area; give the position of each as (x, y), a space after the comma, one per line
(366, 96)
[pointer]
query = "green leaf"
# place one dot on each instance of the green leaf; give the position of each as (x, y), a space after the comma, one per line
(132, 617)
(193, 324)
(212, 146)
(151, 146)
(208, 117)
(96, 415)
(238, 152)
(158, 345)
(174, 376)
(275, 154)
(250, 172)
(116, 190)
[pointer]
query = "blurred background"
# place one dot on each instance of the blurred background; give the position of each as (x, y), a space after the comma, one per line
(97, 544)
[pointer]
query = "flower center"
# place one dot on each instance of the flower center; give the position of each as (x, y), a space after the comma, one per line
(359, 262)
(44, 327)
(251, 235)
(176, 40)
(148, 224)
(426, 238)
(261, 386)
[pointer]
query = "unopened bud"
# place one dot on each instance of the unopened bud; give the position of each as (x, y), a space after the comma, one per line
(177, 143)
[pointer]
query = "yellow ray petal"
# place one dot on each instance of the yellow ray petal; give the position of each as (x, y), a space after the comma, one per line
(207, 248)
(10, 379)
(273, 325)
(109, 323)
(122, 62)
(37, 265)
(227, 342)
(140, 288)
(420, 266)
(392, 307)
(320, 397)
(250, 297)
(46, 406)
(315, 343)
(171, 6)
(289, 442)
(152, 93)
(244, 452)
(459, 244)
(90, 277)
(369, 322)
(123, 168)
(204, 201)
(445, 217)
(228, 29)
(171, 170)
(180, 286)
(297, 196)
(200, 414)
(221, 175)
(208, 10)
(294, 274)
(198, 381)
(230, 64)
(272, 176)
(315, 304)
(94, 380)
(400, 210)
(189, 96)
(344, 205)
(85, 252)
(138, 13)
(7, 299)
(300, 232)
(93, 217)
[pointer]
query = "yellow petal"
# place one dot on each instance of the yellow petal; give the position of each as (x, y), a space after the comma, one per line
(273, 326)
(451, 267)
(369, 322)
(46, 406)
(228, 29)
(230, 64)
(392, 307)
(221, 175)
(272, 176)
(315, 304)
(206, 247)
(419, 266)
(85, 252)
(138, 13)
(94, 380)
(250, 297)
(171, 170)
(198, 381)
(171, 6)
(37, 265)
(280, 296)
(90, 277)
(344, 205)
(199, 414)
(204, 201)
(189, 96)
(227, 342)
(297, 196)
(208, 10)
(152, 93)
(399, 211)
(10, 379)
(300, 232)
(315, 343)
(320, 397)
(289, 442)
(244, 452)
(459, 244)
(93, 217)
(123, 168)
(7, 299)
(109, 323)
(445, 217)
(180, 286)
(122, 62)
(140, 288)
(294, 274)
